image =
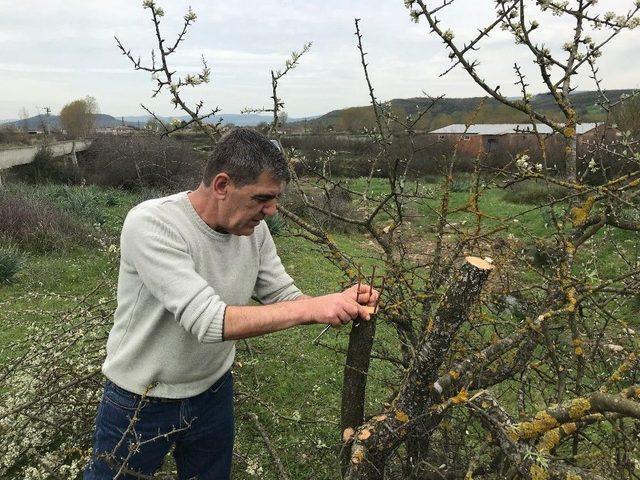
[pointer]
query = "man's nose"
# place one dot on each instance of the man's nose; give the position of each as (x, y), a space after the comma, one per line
(270, 208)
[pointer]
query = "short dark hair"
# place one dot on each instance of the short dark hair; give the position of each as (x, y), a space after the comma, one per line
(244, 154)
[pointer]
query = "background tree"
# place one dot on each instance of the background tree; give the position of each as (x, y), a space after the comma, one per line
(78, 117)
(627, 115)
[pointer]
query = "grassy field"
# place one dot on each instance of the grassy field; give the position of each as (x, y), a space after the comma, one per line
(292, 385)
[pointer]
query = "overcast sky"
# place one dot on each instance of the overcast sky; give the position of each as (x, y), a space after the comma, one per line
(55, 51)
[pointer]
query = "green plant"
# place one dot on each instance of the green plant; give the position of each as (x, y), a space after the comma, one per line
(87, 203)
(533, 192)
(460, 184)
(38, 224)
(45, 168)
(141, 161)
(275, 224)
(335, 201)
(11, 262)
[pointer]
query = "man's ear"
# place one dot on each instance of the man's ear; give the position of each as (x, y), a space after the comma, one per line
(220, 185)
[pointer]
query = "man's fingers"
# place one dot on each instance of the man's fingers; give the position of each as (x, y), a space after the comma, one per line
(344, 316)
(370, 297)
(374, 298)
(364, 313)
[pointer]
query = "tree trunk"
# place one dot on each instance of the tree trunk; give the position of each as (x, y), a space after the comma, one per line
(373, 441)
(355, 380)
(571, 154)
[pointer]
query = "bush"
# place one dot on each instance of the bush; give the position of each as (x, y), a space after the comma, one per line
(335, 200)
(461, 184)
(87, 204)
(11, 262)
(10, 135)
(141, 161)
(356, 145)
(351, 156)
(275, 224)
(37, 224)
(534, 192)
(45, 168)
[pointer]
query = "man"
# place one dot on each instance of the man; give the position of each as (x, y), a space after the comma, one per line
(190, 264)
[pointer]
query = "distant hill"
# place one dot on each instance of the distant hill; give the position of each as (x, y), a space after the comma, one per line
(459, 110)
(105, 121)
(53, 122)
(354, 119)
(241, 120)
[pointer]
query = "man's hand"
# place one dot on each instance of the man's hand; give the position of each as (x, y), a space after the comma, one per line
(335, 309)
(363, 294)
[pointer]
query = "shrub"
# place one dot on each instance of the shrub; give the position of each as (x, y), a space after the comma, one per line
(275, 224)
(11, 262)
(45, 168)
(141, 161)
(37, 224)
(534, 192)
(356, 145)
(461, 184)
(10, 135)
(87, 204)
(335, 200)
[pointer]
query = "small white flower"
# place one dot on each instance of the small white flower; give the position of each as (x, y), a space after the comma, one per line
(253, 467)
(614, 348)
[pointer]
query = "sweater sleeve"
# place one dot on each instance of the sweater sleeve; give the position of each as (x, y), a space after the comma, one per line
(273, 284)
(160, 257)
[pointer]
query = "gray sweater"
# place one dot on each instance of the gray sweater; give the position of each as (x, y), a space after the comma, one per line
(177, 275)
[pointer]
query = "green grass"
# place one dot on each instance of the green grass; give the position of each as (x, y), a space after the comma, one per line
(11, 262)
(291, 384)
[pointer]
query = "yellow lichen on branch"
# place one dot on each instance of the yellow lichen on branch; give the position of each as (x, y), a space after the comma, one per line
(577, 347)
(541, 423)
(622, 369)
(461, 397)
(579, 408)
(549, 441)
(402, 416)
(538, 472)
(580, 214)
(569, 428)
(634, 183)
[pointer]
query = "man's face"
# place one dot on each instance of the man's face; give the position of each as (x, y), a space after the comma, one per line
(246, 206)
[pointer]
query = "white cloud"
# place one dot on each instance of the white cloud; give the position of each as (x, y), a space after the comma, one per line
(33, 68)
(59, 50)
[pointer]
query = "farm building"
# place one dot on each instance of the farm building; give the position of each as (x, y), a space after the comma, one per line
(501, 137)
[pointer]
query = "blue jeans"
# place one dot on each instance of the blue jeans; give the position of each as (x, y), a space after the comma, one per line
(200, 427)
